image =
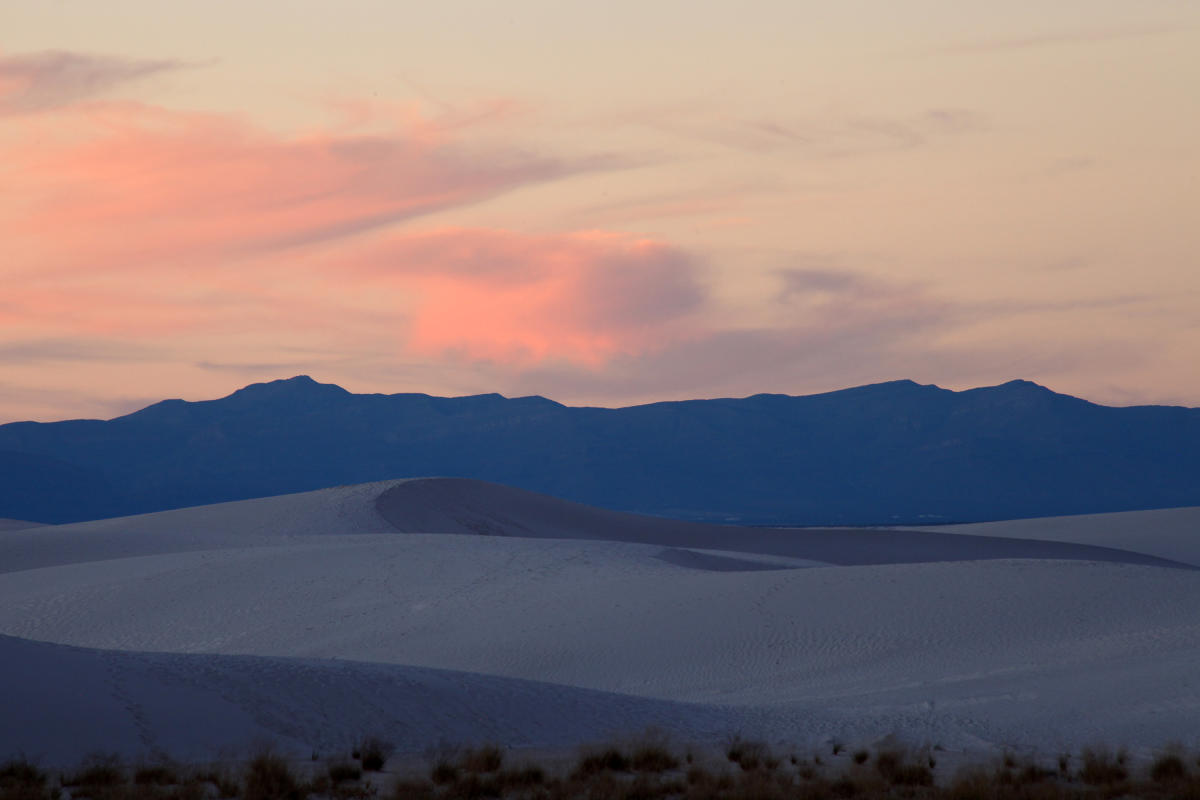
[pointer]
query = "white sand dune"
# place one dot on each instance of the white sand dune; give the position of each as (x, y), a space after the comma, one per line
(477, 507)
(17, 524)
(1171, 533)
(63, 702)
(610, 620)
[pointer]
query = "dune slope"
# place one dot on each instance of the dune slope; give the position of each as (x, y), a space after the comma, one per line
(1171, 533)
(439, 608)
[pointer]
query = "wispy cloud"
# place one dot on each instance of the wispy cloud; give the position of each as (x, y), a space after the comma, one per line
(32, 82)
(827, 135)
(1061, 38)
(37, 351)
(142, 188)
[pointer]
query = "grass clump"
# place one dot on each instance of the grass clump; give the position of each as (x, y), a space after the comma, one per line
(20, 779)
(412, 790)
(21, 772)
(609, 759)
(750, 755)
(443, 773)
(223, 782)
(156, 775)
(343, 771)
(1102, 767)
(482, 760)
(1168, 768)
(896, 769)
(268, 777)
(653, 758)
(97, 771)
(373, 752)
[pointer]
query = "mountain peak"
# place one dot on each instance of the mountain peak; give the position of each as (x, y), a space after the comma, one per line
(301, 383)
(1020, 384)
(300, 387)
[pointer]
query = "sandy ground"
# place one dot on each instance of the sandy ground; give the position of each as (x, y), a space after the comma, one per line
(451, 610)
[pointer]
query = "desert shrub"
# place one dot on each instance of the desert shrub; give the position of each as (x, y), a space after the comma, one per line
(22, 780)
(226, 784)
(373, 753)
(861, 756)
(1168, 768)
(806, 771)
(268, 777)
(412, 790)
(443, 772)
(610, 759)
(763, 785)
(749, 755)
(21, 772)
(473, 786)
(342, 771)
(522, 777)
(844, 787)
(156, 775)
(97, 771)
(349, 791)
(222, 780)
(1100, 767)
(976, 782)
(482, 760)
(896, 769)
(652, 758)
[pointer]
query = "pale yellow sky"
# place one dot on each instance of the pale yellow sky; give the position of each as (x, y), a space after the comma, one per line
(601, 203)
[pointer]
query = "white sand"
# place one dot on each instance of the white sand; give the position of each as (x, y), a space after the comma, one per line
(585, 623)
(1172, 533)
(17, 524)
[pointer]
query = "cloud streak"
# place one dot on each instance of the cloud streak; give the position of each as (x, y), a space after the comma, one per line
(33, 82)
(1060, 38)
(821, 136)
(142, 187)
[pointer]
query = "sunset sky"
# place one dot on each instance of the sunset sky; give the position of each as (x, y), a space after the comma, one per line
(604, 203)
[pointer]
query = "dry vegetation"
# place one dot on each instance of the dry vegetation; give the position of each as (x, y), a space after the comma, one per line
(648, 769)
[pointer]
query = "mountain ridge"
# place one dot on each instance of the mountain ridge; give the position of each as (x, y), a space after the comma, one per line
(895, 452)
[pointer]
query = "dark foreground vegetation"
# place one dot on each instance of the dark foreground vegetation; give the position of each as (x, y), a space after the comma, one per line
(643, 770)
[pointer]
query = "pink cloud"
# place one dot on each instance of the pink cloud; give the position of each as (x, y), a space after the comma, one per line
(125, 220)
(125, 187)
(523, 299)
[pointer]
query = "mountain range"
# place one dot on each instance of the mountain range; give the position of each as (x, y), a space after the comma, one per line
(888, 453)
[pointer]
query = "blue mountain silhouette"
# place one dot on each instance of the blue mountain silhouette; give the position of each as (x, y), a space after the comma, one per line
(888, 453)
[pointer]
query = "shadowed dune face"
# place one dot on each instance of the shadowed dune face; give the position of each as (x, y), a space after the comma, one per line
(464, 506)
(61, 702)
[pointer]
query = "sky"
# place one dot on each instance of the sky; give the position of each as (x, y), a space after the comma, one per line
(603, 203)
